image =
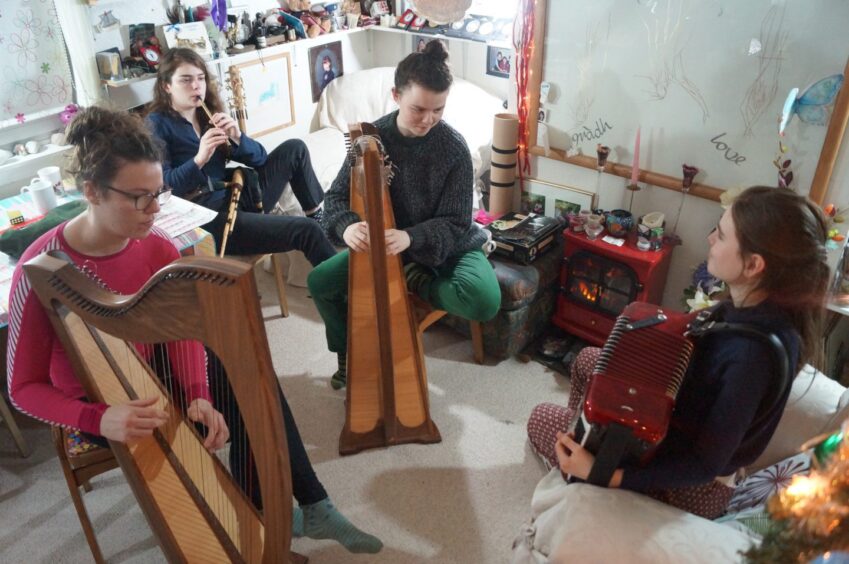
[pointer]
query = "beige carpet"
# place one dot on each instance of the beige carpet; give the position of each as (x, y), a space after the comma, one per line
(462, 500)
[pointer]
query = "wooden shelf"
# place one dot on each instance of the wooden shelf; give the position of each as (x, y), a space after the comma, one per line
(127, 81)
(48, 150)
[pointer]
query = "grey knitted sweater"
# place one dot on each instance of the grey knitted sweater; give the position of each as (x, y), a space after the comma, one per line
(431, 193)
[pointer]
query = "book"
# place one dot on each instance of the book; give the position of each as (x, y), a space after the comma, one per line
(523, 237)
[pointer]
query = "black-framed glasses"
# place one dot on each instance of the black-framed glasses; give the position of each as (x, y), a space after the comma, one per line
(143, 201)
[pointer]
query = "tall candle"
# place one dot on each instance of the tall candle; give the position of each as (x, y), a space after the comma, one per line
(635, 168)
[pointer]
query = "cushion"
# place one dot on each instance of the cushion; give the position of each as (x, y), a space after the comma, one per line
(817, 405)
(520, 283)
(754, 490)
(15, 241)
(585, 523)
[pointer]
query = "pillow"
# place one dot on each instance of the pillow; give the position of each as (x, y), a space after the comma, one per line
(817, 405)
(763, 484)
(15, 241)
(585, 523)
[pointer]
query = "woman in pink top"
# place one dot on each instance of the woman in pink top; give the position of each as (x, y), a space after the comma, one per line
(117, 164)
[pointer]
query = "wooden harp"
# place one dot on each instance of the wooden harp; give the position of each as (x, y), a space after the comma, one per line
(195, 508)
(387, 383)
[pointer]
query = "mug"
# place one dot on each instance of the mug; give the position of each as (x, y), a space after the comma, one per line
(42, 195)
(53, 176)
(32, 147)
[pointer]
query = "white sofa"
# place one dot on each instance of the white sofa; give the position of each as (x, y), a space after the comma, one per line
(364, 96)
(584, 523)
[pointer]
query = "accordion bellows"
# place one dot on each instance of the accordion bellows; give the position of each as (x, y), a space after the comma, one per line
(639, 372)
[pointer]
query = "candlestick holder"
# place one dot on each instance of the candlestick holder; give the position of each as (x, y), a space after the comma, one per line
(632, 188)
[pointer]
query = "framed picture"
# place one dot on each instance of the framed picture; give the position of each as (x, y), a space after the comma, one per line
(267, 94)
(498, 60)
(326, 65)
(191, 34)
(418, 42)
(554, 200)
(533, 203)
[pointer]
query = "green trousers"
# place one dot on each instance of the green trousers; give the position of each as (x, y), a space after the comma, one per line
(464, 286)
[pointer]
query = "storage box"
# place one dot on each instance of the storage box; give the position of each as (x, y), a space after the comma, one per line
(523, 237)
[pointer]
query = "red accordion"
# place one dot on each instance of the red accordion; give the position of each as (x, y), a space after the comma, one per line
(631, 394)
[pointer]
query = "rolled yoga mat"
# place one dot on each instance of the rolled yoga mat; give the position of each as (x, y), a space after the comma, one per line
(502, 178)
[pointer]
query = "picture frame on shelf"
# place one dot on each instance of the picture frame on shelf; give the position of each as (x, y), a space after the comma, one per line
(557, 199)
(267, 89)
(192, 35)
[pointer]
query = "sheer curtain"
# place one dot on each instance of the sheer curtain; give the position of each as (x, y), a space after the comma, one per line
(36, 77)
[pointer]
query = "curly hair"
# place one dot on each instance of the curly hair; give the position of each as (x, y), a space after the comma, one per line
(428, 68)
(168, 65)
(105, 140)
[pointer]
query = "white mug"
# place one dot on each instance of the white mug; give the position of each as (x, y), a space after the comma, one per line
(32, 147)
(42, 195)
(53, 176)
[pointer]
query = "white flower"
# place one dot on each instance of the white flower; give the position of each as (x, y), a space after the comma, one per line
(702, 300)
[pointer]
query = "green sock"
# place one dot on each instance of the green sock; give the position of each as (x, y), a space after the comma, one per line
(297, 522)
(323, 521)
(338, 380)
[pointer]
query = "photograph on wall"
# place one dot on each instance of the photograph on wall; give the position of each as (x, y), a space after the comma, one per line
(562, 208)
(326, 65)
(533, 203)
(554, 200)
(498, 60)
(267, 91)
(418, 43)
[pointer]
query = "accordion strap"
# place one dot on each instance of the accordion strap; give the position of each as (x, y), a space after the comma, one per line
(617, 439)
(781, 361)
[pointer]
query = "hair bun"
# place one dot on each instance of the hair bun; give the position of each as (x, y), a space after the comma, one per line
(435, 49)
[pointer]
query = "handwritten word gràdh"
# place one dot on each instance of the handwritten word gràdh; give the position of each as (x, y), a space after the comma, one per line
(587, 134)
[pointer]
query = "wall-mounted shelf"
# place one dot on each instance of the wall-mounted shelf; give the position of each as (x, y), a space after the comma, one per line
(127, 81)
(48, 150)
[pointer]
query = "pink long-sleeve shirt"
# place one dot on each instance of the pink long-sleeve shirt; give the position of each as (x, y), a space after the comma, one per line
(42, 383)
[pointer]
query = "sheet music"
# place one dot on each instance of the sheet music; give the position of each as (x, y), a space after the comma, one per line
(178, 216)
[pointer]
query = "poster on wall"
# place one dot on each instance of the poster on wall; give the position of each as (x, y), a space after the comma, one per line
(36, 75)
(267, 87)
(326, 65)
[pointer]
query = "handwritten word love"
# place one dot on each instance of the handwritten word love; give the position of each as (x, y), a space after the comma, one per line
(730, 155)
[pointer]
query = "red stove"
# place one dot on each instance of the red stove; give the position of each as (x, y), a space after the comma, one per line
(598, 280)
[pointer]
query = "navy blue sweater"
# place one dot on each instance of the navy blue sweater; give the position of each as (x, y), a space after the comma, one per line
(710, 434)
(181, 144)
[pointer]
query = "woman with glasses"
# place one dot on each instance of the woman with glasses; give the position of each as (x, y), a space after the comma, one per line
(117, 165)
(196, 153)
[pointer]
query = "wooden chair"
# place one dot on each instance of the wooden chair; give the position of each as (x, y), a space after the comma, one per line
(277, 266)
(427, 316)
(78, 470)
(6, 416)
